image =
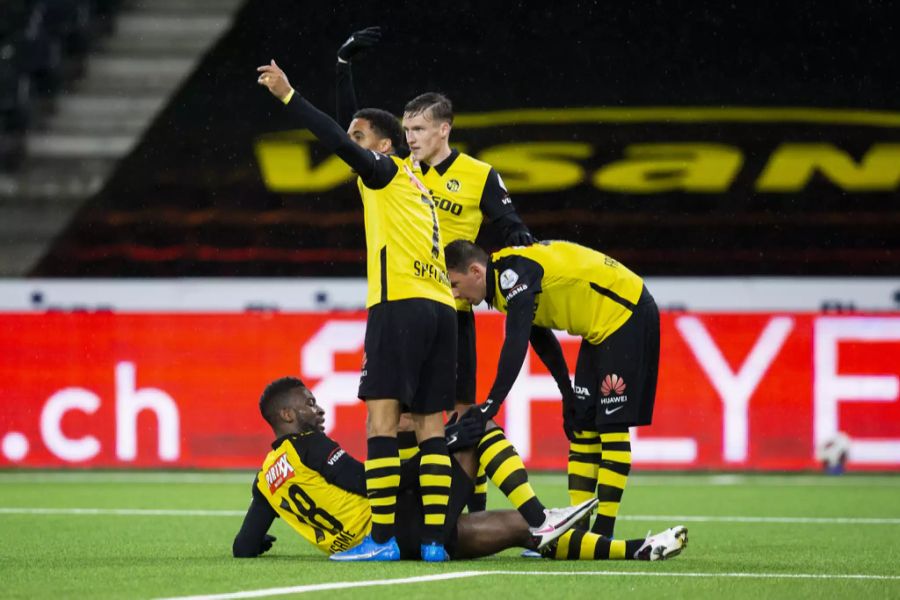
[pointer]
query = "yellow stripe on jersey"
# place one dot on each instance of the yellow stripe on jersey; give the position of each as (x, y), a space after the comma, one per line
(457, 196)
(330, 518)
(583, 291)
(405, 254)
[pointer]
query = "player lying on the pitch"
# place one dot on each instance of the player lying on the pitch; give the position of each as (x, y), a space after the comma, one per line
(320, 490)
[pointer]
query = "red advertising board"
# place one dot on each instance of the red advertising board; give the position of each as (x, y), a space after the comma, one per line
(736, 391)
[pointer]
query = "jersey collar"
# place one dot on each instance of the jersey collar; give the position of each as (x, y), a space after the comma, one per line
(443, 166)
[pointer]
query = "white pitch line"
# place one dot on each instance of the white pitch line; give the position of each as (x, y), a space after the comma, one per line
(786, 520)
(336, 585)
(122, 512)
(640, 480)
(339, 585)
(175, 512)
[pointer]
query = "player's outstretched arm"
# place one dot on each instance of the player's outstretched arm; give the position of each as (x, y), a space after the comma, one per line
(356, 45)
(253, 539)
(321, 125)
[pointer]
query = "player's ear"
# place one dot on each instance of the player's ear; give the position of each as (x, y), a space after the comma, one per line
(445, 129)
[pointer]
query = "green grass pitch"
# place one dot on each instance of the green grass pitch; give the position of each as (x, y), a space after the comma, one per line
(756, 536)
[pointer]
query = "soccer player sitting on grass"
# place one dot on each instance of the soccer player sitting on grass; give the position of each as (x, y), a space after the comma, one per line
(320, 491)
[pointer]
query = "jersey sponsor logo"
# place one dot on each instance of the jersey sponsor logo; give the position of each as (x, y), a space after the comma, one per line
(610, 411)
(582, 391)
(516, 291)
(430, 271)
(508, 278)
(612, 383)
(335, 456)
(280, 471)
(454, 208)
(453, 185)
(503, 186)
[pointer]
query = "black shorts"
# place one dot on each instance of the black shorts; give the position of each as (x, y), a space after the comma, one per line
(409, 517)
(410, 355)
(466, 358)
(615, 380)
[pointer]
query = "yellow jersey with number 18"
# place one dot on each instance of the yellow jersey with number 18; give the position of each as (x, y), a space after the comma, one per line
(405, 255)
(330, 518)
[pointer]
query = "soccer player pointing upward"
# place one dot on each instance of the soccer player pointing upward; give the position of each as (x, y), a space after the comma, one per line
(410, 343)
(466, 191)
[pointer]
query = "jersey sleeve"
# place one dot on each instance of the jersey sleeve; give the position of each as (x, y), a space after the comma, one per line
(345, 94)
(370, 166)
(519, 279)
(322, 454)
(250, 538)
(497, 206)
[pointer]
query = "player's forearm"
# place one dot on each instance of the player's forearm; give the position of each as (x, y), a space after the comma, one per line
(550, 352)
(346, 94)
(515, 347)
(248, 542)
(331, 135)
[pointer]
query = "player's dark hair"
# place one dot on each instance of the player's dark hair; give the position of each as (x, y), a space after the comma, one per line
(459, 254)
(432, 105)
(275, 396)
(385, 125)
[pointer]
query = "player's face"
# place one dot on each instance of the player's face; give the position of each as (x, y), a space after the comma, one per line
(471, 285)
(308, 415)
(361, 132)
(425, 137)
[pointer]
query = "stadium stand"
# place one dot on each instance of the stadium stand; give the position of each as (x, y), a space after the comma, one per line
(802, 182)
(79, 82)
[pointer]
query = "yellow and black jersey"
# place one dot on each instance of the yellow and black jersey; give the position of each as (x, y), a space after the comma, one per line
(577, 289)
(465, 191)
(318, 489)
(405, 249)
(555, 285)
(405, 253)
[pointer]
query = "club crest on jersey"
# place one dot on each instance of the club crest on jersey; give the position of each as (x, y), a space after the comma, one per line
(453, 185)
(280, 471)
(508, 278)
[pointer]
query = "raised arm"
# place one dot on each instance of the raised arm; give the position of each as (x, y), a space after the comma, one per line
(375, 173)
(355, 46)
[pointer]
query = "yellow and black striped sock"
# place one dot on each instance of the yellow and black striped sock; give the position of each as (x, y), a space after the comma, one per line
(584, 545)
(505, 468)
(434, 482)
(584, 462)
(478, 501)
(382, 481)
(409, 445)
(615, 465)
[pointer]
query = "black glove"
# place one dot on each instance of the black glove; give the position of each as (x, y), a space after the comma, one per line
(266, 544)
(358, 43)
(482, 413)
(462, 433)
(520, 237)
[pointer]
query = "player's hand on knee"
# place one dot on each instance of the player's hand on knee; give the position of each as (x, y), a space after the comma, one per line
(274, 79)
(359, 43)
(462, 433)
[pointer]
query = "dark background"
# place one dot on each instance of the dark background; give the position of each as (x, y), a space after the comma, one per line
(189, 201)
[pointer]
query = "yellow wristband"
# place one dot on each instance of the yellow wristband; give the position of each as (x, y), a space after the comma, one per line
(287, 98)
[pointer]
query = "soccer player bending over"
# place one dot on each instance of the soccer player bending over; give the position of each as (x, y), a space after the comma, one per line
(320, 491)
(561, 285)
